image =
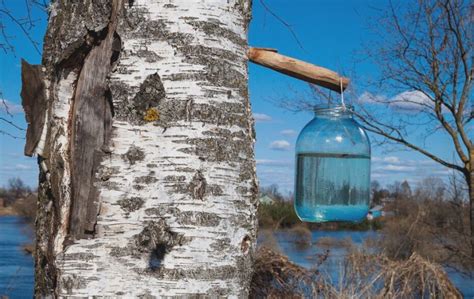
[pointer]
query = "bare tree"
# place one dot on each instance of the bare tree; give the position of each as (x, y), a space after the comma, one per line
(431, 188)
(141, 120)
(425, 54)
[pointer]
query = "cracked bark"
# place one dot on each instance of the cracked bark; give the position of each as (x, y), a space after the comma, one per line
(148, 188)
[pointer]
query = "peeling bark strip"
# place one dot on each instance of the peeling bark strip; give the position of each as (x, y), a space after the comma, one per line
(34, 103)
(91, 121)
(172, 167)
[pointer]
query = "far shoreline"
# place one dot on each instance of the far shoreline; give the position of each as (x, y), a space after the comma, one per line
(8, 211)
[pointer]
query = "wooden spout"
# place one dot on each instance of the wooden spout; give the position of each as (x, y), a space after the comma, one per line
(298, 69)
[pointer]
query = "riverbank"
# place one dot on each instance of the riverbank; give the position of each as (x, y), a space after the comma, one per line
(8, 211)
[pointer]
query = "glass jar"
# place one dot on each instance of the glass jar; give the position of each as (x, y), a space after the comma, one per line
(332, 167)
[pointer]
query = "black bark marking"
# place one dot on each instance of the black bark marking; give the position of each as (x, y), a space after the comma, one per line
(221, 272)
(173, 111)
(157, 239)
(198, 218)
(189, 107)
(146, 179)
(134, 154)
(214, 28)
(131, 204)
(91, 126)
(149, 96)
(34, 103)
(245, 7)
(216, 148)
(197, 187)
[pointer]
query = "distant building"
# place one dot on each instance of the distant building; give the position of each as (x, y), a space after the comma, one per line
(2, 202)
(375, 212)
(267, 200)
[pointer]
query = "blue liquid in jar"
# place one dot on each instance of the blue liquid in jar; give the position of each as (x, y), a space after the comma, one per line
(332, 187)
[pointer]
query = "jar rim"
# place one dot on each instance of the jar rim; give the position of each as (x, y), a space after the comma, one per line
(323, 109)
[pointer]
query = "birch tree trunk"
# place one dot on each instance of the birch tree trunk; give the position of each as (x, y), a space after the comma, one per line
(140, 118)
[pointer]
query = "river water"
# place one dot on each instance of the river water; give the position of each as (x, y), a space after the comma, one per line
(17, 268)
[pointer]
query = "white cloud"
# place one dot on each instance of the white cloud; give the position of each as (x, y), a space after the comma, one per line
(389, 159)
(411, 101)
(289, 133)
(11, 107)
(404, 102)
(392, 159)
(280, 145)
(392, 168)
(261, 117)
(396, 168)
(369, 98)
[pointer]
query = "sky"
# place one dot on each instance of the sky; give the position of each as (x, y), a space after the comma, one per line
(331, 33)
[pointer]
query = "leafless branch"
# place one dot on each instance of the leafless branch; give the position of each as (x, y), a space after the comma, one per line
(10, 135)
(12, 124)
(282, 21)
(22, 25)
(4, 104)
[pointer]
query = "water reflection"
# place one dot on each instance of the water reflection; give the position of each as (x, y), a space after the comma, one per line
(16, 267)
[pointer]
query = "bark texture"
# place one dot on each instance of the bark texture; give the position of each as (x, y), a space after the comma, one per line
(147, 177)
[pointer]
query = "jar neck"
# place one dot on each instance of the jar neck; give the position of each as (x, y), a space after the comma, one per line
(338, 111)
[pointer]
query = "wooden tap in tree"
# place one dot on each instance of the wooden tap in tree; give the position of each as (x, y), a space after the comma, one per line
(298, 69)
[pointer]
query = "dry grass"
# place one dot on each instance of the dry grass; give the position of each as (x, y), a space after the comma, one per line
(8, 211)
(276, 277)
(416, 275)
(376, 276)
(438, 231)
(362, 275)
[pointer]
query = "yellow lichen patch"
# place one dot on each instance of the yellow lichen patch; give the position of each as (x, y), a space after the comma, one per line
(152, 114)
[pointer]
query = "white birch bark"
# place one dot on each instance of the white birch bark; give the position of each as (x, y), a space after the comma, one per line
(177, 192)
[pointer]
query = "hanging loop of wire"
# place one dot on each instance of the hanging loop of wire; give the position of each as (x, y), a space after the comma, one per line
(342, 94)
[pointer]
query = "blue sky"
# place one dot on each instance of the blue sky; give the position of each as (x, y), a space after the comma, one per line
(331, 32)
